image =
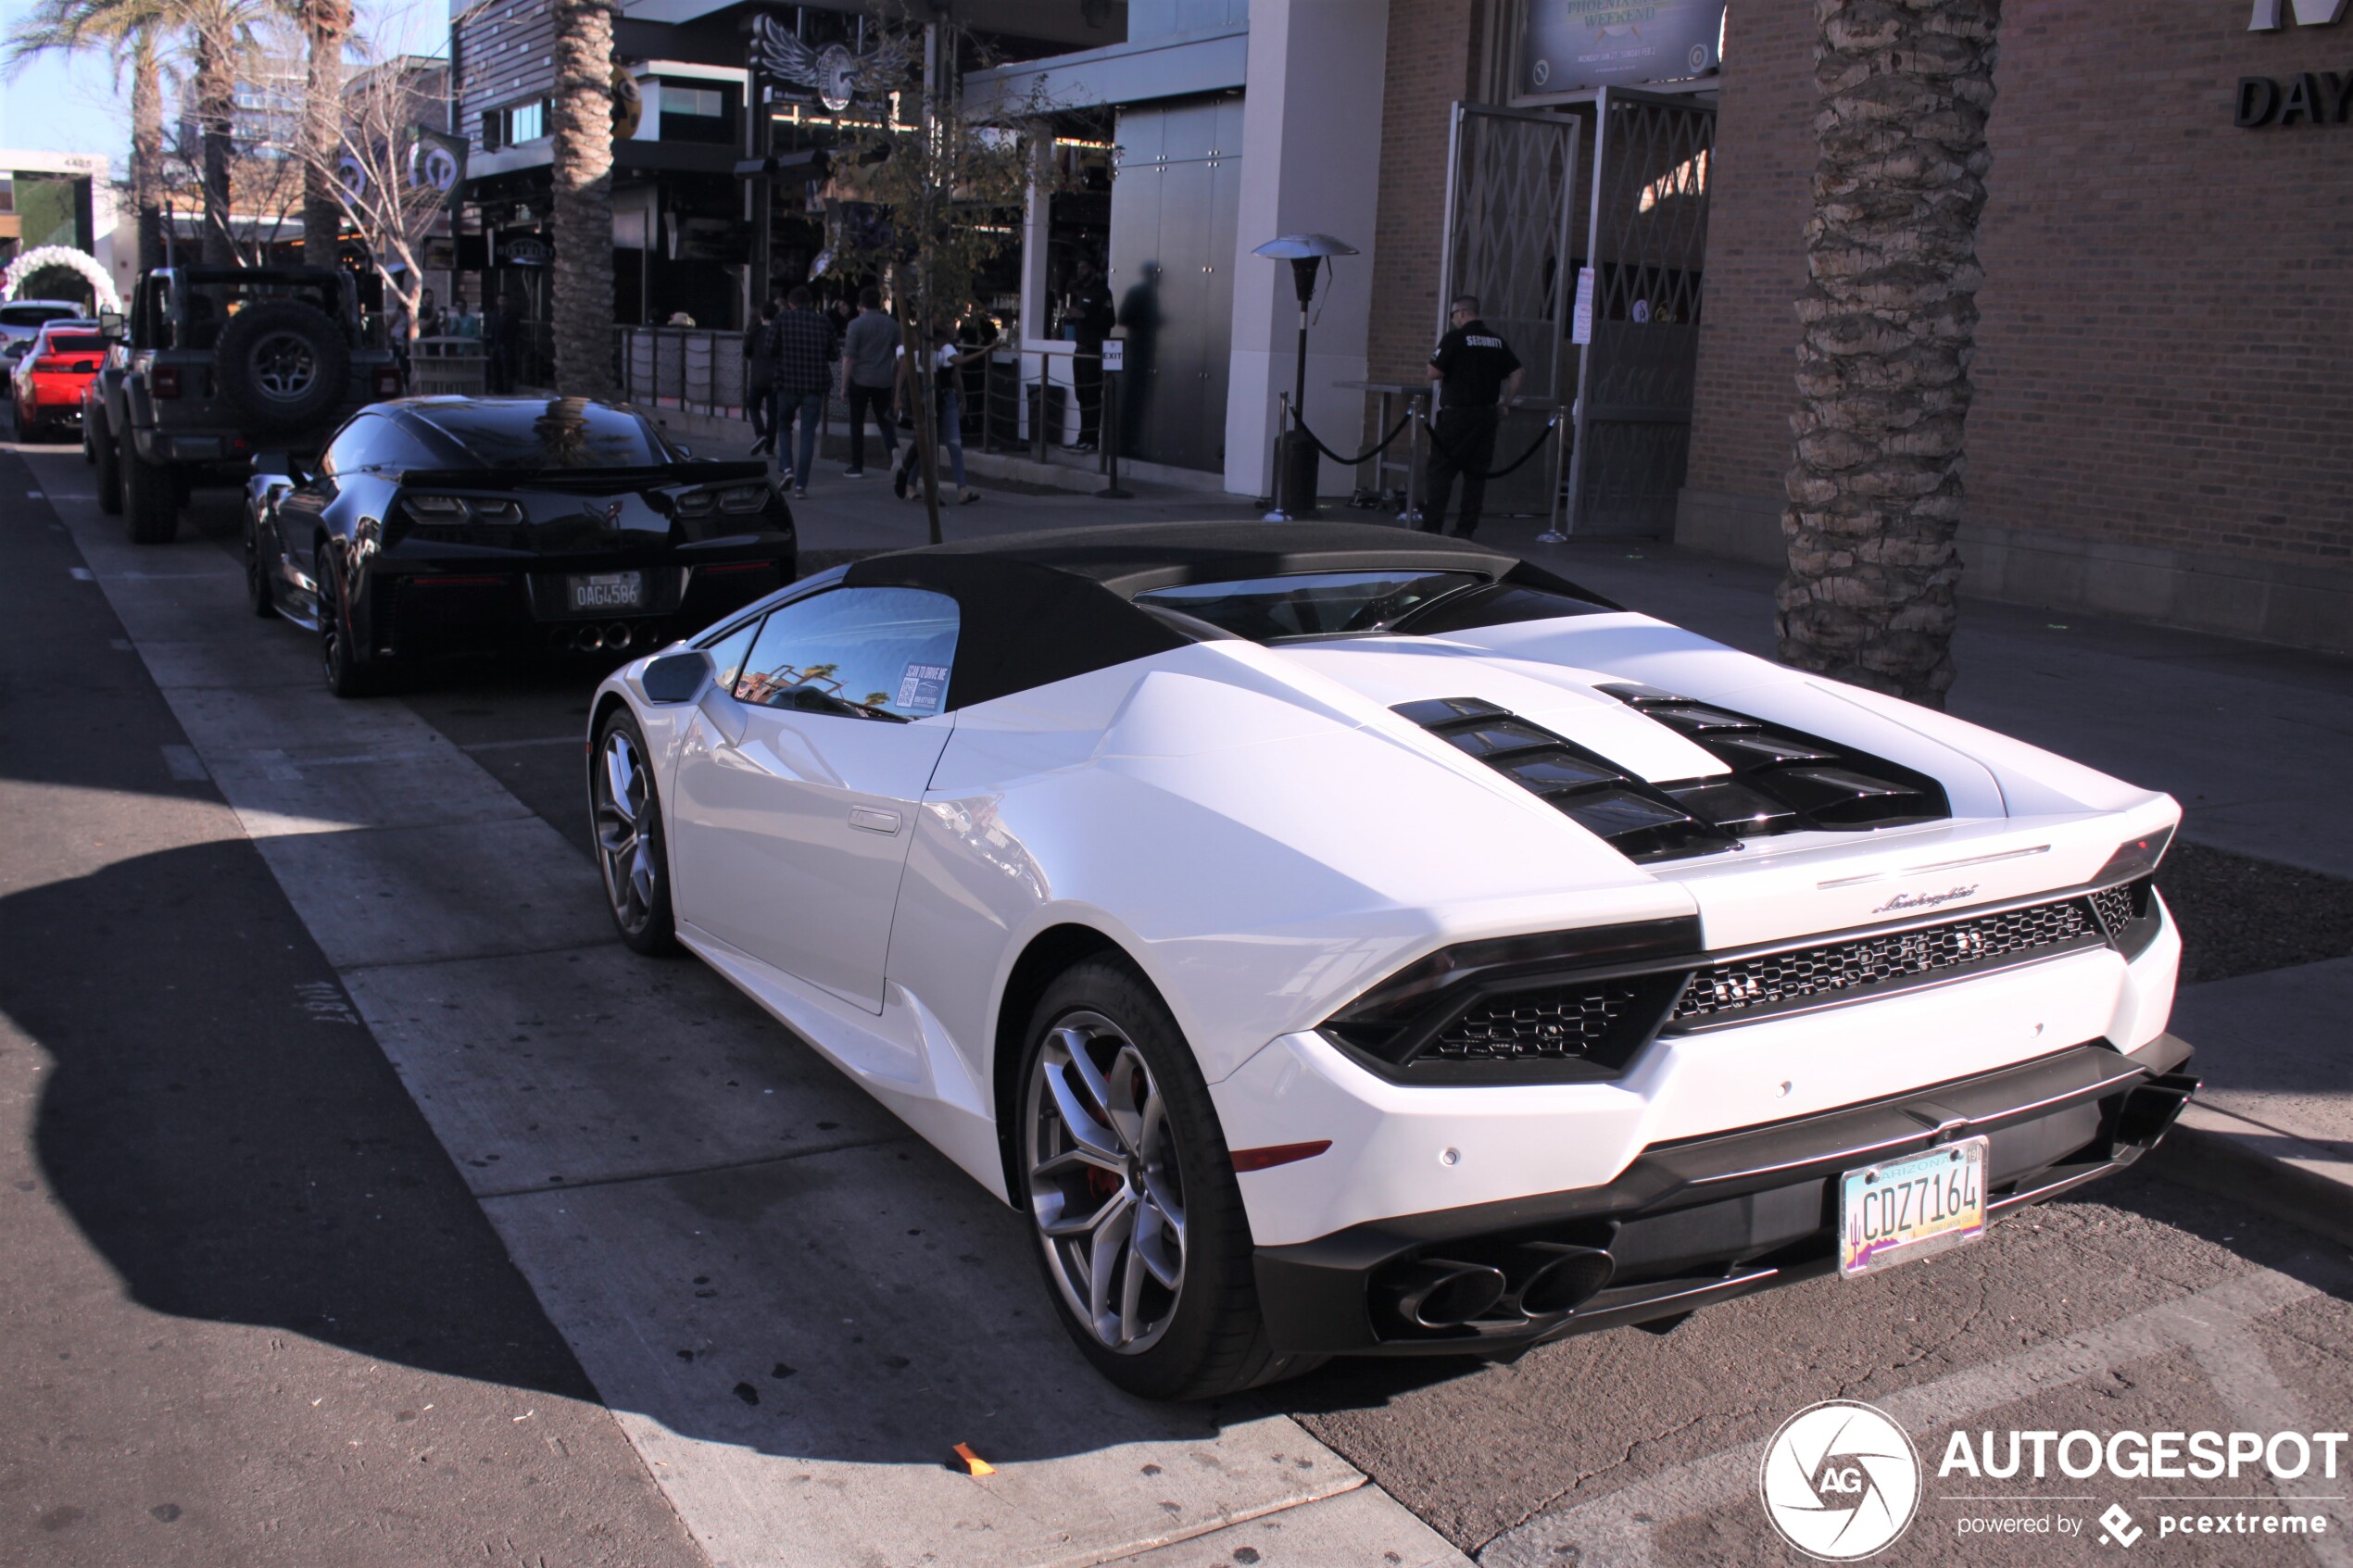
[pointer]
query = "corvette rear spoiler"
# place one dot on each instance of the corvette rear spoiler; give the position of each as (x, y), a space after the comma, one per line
(589, 481)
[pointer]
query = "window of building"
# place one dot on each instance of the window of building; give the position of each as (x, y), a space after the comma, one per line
(513, 125)
(695, 112)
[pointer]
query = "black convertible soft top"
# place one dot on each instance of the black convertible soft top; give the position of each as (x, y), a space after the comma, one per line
(1040, 608)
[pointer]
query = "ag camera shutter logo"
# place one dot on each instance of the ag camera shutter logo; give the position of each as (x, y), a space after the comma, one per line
(1840, 1481)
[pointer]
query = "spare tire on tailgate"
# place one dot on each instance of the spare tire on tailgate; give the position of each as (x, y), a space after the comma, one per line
(282, 364)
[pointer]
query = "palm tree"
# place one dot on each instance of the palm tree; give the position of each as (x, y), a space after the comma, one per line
(219, 36)
(1889, 325)
(327, 24)
(581, 214)
(128, 30)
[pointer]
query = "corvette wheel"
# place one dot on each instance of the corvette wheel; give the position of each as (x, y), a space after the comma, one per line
(1139, 1222)
(258, 597)
(349, 671)
(627, 817)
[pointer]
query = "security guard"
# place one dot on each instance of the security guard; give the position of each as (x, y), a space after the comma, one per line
(1475, 369)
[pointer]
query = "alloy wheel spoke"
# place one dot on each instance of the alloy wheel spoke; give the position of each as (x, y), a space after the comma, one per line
(1072, 1162)
(1079, 1117)
(1103, 1248)
(1131, 1289)
(1073, 1042)
(620, 775)
(1129, 1075)
(1160, 1243)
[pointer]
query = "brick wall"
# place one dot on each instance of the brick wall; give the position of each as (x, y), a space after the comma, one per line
(1430, 64)
(2168, 300)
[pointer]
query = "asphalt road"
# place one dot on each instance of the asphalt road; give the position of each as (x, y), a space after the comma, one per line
(225, 1203)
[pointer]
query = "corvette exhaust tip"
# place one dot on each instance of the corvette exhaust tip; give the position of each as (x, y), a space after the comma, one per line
(1437, 1293)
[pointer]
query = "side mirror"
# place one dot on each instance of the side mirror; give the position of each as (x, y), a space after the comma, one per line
(110, 325)
(682, 451)
(676, 677)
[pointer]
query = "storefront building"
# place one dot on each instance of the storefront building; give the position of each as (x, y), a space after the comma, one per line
(2162, 429)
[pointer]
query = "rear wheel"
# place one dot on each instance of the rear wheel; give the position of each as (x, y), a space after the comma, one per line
(1138, 1219)
(148, 504)
(101, 444)
(349, 671)
(625, 813)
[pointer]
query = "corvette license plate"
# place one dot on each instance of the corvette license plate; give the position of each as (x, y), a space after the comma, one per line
(609, 590)
(1912, 1207)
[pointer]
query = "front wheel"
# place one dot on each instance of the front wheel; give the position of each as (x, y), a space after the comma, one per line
(109, 471)
(258, 596)
(1138, 1219)
(625, 815)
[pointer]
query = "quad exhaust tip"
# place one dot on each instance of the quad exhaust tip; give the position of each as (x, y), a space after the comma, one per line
(1437, 1293)
(1544, 1279)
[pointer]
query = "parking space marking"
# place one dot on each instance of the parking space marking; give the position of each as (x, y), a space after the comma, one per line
(673, 1217)
(1619, 1529)
(79, 574)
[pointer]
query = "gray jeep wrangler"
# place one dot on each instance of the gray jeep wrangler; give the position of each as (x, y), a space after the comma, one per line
(217, 362)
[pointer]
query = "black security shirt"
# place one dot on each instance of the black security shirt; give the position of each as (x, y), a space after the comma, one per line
(1475, 363)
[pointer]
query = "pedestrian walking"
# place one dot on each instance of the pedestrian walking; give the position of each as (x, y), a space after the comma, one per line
(1475, 371)
(948, 358)
(1091, 320)
(869, 373)
(804, 373)
(760, 379)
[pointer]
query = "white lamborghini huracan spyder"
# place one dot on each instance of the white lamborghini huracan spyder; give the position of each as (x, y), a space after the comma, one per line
(1343, 940)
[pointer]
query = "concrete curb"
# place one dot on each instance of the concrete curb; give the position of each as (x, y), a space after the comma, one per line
(2214, 1151)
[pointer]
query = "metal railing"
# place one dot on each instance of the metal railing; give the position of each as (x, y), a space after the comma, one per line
(694, 369)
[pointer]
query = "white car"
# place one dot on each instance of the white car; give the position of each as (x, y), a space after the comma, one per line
(1343, 940)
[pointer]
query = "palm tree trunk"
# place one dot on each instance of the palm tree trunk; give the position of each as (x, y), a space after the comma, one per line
(146, 147)
(328, 22)
(581, 210)
(216, 117)
(1889, 328)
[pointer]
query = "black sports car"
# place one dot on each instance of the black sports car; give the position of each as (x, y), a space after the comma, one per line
(431, 526)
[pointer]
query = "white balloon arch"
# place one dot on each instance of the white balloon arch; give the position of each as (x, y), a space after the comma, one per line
(41, 258)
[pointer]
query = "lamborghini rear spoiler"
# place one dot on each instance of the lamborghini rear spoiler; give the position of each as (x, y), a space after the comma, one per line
(589, 481)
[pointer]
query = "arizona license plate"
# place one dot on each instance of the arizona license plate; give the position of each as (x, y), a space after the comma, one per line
(609, 590)
(1912, 1207)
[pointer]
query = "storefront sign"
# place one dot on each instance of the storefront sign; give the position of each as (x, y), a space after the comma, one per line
(525, 250)
(1115, 354)
(2272, 15)
(1581, 315)
(1569, 44)
(2311, 97)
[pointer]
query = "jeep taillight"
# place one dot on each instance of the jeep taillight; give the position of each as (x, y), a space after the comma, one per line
(164, 381)
(387, 380)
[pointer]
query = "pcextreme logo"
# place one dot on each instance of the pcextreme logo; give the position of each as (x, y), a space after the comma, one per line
(1840, 1481)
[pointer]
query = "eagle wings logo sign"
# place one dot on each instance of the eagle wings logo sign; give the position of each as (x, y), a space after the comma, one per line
(834, 73)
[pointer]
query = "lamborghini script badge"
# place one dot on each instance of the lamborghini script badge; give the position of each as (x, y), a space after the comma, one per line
(1923, 901)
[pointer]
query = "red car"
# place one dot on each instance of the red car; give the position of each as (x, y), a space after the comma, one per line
(49, 376)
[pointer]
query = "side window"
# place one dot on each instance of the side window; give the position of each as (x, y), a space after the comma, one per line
(727, 652)
(349, 449)
(866, 653)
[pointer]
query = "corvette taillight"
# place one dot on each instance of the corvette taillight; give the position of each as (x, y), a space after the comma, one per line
(164, 381)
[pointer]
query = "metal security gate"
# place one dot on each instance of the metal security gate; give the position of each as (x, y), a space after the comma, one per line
(1646, 245)
(1510, 198)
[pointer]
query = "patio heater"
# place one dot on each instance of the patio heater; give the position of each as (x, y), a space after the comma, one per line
(1296, 459)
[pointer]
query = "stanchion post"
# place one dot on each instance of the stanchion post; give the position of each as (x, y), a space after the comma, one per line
(1282, 439)
(1414, 405)
(1109, 422)
(1552, 533)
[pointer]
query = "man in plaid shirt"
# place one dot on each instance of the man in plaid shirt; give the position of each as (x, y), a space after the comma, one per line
(803, 343)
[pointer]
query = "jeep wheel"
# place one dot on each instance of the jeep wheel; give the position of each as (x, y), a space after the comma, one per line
(148, 504)
(109, 471)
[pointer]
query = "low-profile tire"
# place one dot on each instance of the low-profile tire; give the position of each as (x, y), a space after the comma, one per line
(149, 506)
(348, 669)
(633, 853)
(258, 597)
(109, 471)
(1131, 1194)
